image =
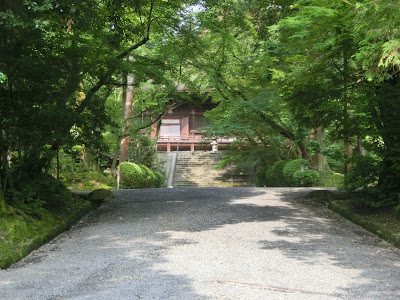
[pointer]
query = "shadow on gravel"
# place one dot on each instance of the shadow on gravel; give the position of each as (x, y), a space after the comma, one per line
(300, 238)
(118, 251)
(306, 239)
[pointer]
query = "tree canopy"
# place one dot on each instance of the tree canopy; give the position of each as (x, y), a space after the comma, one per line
(287, 76)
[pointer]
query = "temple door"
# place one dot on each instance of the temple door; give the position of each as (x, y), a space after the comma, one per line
(185, 128)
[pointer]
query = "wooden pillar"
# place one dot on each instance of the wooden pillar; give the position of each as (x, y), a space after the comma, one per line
(192, 147)
(168, 147)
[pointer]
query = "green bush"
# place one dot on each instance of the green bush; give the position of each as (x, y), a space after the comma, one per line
(149, 178)
(292, 167)
(41, 192)
(274, 175)
(131, 175)
(160, 180)
(261, 179)
(364, 173)
(307, 177)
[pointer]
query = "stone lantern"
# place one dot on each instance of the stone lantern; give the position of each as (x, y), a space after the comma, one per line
(214, 146)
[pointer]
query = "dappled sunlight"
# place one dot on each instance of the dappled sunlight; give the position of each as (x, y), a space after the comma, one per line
(207, 244)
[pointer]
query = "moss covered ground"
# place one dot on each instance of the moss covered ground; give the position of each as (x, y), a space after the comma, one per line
(19, 235)
(88, 181)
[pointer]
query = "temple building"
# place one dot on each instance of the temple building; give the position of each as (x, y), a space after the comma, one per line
(180, 129)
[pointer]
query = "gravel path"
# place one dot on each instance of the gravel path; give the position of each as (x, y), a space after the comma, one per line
(209, 243)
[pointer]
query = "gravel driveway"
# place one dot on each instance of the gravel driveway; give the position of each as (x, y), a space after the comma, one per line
(209, 243)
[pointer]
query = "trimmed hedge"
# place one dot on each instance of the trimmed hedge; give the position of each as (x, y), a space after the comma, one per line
(149, 178)
(160, 180)
(131, 175)
(134, 176)
(296, 173)
(307, 177)
(292, 167)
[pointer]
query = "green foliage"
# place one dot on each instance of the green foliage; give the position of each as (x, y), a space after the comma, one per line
(131, 175)
(291, 168)
(42, 192)
(160, 180)
(274, 175)
(142, 150)
(65, 62)
(307, 177)
(331, 179)
(369, 174)
(139, 176)
(88, 181)
(261, 179)
(19, 234)
(364, 173)
(149, 178)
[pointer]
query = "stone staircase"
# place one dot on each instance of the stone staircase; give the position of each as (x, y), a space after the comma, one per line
(196, 169)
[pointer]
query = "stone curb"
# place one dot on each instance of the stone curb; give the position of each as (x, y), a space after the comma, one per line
(39, 240)
(373, 227)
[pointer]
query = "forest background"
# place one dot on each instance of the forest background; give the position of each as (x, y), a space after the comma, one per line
(291, 79)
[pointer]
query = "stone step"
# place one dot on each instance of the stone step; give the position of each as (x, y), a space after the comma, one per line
(198, 169)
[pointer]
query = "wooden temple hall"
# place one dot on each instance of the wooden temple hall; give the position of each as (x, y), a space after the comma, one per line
(180, 129)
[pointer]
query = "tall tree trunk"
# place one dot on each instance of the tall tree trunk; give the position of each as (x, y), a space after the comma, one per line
(5, 162)
(127, 113)
(3, 209)
(58, 164)
(303, 150)
(116, 152)
(319, 161)
(86, 158)
(348, 148)
(348, 153)
(360, 147)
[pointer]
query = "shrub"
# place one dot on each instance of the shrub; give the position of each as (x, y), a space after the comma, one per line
(160, 180)
(274, 175)
(364, 173)
(261, 179)
(291, 167)
(41, 192)
(131, 175)
(149, 178)
(306, 178)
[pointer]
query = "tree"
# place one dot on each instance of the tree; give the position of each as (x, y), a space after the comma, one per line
(379, 60)
(65, 59)
(232, 48)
